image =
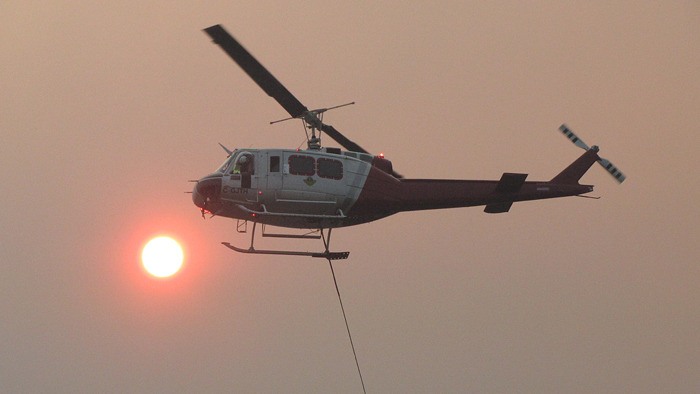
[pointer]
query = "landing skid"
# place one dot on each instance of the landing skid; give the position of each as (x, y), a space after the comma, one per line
(327, 254)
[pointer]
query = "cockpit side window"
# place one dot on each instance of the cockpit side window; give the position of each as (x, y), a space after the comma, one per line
(244, 164)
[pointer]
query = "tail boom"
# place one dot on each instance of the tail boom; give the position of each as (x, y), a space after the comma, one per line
(380, 196)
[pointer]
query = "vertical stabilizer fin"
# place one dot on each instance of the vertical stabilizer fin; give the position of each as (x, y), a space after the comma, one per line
(575, 170)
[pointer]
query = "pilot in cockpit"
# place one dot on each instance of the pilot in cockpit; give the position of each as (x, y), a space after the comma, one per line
(244, 165)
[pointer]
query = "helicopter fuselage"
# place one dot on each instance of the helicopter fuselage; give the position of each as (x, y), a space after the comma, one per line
(329, 188)
(289, 188)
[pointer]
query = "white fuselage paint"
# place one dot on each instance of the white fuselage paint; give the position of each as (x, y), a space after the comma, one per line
(271, 182)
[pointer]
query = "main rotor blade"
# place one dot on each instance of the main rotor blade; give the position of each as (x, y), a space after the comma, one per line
(347, 144)
(274, 88)
(256, 71)
(341, 139)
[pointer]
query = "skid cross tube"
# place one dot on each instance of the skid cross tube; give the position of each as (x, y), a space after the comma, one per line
(326, 254)
(310, 235)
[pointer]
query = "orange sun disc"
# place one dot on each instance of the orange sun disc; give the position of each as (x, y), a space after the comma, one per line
(162, 257)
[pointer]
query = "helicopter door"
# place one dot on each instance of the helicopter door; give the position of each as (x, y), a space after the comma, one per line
(243, 178)
(274, 171)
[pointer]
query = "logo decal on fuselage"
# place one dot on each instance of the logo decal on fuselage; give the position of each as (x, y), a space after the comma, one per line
(309, 181)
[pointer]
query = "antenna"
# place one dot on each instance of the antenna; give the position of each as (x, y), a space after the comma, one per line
(312, 112)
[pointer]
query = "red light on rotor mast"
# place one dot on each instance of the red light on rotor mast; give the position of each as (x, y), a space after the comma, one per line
(381, 155)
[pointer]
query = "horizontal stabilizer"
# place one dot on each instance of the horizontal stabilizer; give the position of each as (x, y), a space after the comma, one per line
(510, 183)
(498, 207)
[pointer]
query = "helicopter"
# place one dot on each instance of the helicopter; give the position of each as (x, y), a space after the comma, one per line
(322, 188)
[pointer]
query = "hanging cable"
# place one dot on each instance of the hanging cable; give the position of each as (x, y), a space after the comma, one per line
(347, 327)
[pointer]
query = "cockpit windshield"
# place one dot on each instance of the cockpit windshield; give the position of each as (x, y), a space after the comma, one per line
(227, 162)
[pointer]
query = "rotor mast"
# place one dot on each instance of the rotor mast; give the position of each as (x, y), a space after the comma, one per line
(313, 120)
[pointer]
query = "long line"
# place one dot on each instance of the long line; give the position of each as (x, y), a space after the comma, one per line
(347, 327)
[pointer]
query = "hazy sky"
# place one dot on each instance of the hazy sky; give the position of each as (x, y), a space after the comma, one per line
(108, 108)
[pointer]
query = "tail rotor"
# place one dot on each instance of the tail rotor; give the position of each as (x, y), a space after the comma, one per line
(605, 163)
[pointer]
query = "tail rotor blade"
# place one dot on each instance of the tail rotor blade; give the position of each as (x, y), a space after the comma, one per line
(614, 171)
(573, 137)
(605, 163)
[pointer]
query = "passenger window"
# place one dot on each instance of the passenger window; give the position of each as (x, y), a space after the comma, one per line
(274, 164)
(301, 165)
(329, 168)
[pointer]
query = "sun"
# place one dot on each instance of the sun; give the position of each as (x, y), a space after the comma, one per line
(162, 257)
